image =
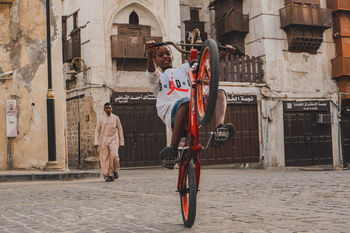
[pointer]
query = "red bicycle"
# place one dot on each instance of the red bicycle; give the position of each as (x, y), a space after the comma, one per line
(204, 79)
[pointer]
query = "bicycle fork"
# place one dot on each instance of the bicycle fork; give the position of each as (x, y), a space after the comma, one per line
(192, 145)
(181, 184)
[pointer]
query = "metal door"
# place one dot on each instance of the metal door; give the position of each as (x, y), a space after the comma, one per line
(144, 134)
(74, 131)
(307, 139)
(244, 148)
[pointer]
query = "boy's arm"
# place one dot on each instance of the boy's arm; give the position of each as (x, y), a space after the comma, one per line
(150, 51)
(229, 50)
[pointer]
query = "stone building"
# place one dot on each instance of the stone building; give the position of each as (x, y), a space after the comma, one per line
(287, 84)
(282, 85)
(299, 108)
(32, 91)
(103, 44)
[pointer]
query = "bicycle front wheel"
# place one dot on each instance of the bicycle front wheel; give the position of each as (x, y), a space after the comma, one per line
(207, 82)
(188, 196)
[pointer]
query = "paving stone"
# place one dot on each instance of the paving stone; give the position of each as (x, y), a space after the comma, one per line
(146, 200)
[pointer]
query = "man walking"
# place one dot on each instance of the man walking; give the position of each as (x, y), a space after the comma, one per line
(108, 137)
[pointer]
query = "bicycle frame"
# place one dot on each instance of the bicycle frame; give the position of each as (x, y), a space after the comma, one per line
(192, 136)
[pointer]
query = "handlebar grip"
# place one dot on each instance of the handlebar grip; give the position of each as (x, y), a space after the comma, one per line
(222, 48)
(159, 44)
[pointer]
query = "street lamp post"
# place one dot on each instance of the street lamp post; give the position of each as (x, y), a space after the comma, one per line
(50, 97)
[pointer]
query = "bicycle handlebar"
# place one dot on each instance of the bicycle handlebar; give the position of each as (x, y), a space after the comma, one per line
(177, 47)
(223, 48)
(173, 44)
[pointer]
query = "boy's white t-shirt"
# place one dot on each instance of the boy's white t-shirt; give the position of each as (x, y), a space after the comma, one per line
(169, 86)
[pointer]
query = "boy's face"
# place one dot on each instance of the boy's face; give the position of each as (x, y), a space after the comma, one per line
(163, 58)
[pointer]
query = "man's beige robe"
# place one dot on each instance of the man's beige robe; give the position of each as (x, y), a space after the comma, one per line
(109, 136)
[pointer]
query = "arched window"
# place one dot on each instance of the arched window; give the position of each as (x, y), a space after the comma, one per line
(133, 18)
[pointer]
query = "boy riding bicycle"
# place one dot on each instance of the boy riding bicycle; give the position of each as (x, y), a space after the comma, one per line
(171, 86)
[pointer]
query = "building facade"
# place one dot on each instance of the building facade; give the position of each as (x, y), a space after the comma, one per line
(111, 67)
(285, 93)
(299, 104)
(32, 91)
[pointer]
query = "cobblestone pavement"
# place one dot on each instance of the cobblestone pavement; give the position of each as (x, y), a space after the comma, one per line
(230, 200)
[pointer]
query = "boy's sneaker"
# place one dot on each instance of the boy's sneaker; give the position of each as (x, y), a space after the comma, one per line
(221, 134)
(115, 175)
(169, 157)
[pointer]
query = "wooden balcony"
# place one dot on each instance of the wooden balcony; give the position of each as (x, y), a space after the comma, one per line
(342, 45)
(232, 22)
(344, 86)
(6, 1)
(341, 24)
(308, 2)
(241, 69)
(339, 5)
(340, 67)
(72, 48)
(305, 15)
(130, 46)
(127, 47)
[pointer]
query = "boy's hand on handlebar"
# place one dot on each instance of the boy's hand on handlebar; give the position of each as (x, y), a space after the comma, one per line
(226, 51)
(150, 47)
(230, 48)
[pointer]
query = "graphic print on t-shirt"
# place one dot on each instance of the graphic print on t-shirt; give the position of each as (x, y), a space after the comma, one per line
(172, 86)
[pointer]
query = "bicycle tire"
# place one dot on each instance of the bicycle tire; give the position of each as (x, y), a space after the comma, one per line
(188, 196)
(207, 78)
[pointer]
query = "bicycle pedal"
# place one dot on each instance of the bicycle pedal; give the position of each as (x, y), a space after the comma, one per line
(222, 136)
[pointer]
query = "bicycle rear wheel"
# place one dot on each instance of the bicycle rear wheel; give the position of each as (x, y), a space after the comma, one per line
(188, 196)
(207, 82)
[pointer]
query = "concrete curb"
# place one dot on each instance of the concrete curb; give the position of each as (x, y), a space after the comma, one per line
(24, 175)
(17, 176)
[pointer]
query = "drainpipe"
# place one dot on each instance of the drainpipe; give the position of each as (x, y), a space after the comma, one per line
(340, 149)
(79, 144)
(9, 153)
(50, 97)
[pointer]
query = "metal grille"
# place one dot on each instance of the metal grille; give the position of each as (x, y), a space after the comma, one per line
(144, 135)
(324, 118)
(244, 148)
(305, 141)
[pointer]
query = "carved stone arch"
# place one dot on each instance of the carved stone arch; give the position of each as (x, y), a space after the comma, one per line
(129, 32)
(120, 14)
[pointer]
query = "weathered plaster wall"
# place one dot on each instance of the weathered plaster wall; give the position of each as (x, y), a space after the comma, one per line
(23, 51)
